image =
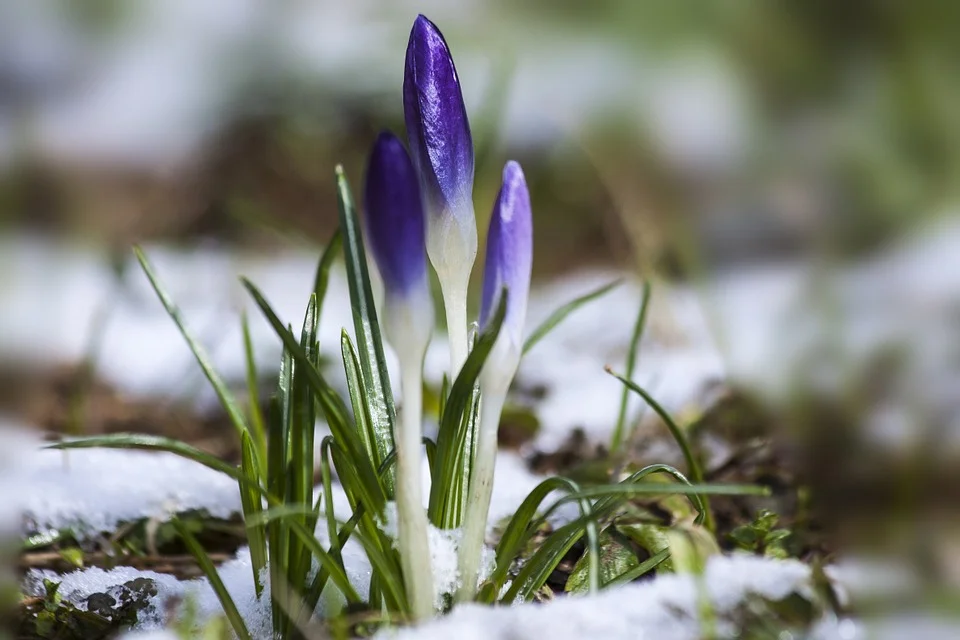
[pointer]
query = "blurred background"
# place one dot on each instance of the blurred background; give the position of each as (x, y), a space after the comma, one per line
(689, 141)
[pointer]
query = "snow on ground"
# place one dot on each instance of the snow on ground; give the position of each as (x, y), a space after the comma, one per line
(663, 609)
(93, 490)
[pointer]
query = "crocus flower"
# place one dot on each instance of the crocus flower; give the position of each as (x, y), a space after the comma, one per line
(509, 255)
(507, 269)
(395, 232)
(442, 151)
(395, 229)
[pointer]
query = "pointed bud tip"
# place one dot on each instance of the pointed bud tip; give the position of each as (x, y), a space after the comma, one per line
(395, 222)
(438, 130)
(509, 250)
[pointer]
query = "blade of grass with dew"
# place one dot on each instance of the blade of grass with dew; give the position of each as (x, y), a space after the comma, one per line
(458, 493)
(210, 571)
(373, 365)
(293, 514)
(252, 505)
(223, 393)
(560, 314)
(693, 465)
(516, 534)
(312, 595)
(452, 435)
(387, 564)
(358, 395)
(300, 465)
(519, 531)
(334, 410)
(160, 444)
(542, 563)
(537, 569)
(636, 336)
(277, 535)
(253, 397)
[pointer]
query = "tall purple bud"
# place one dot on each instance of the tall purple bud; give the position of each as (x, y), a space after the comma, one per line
(509, 258)
(395, 232)
(507, 269)
(442, 151)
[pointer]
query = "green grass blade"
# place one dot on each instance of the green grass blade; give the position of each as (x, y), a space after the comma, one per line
(321, 280)
(300, 467)
(618, 432)
(323, 575)
(453, 432)
(252, 505)
(210, 571)
(657, 488)
(257, 426)
(277, 536)
(203, 359)
(644, 567)
(373, 365)
(560, 314)
(292, 514)
(158, 443)
(524, 524)
(332, 406)
(358, 397)
(693, 465)
(539, 567)
(430, 448)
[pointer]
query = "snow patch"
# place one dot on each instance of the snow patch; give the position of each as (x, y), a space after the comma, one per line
(663, 609)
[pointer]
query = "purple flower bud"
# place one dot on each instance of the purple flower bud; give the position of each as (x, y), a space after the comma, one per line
(437, 127)
(395, 223)
(509, 255)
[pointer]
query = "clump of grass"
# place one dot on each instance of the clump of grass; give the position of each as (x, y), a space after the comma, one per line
(279, 452)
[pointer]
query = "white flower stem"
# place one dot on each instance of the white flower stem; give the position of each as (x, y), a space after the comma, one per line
(412, 519)
(455, 306)
(481, 489)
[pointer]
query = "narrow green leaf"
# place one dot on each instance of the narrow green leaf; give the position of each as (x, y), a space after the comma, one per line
(616, 557)
(646, 566)
(251, 503)
(538, 568)
(430, 448)
(300, 467)
(323, 575)
(277, 536)
(656, 488)
(453, 431)
(524, 524)
(158, 443)
(618, 432)
(331, 404)
(560, 314)
(292, 514)
(253, 395)
(321, 280)
(693, 466)
(358, 396)
(210, 571)
(223, 393)
(373, 364)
